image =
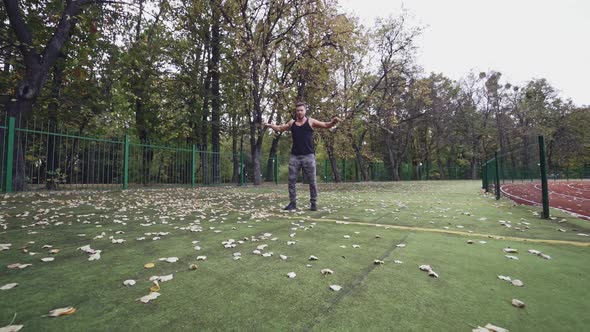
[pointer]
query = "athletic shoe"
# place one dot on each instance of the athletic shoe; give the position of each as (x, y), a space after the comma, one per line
(292, 206)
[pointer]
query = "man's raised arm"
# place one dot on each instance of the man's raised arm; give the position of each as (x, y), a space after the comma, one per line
(281, 127)
(319, 124)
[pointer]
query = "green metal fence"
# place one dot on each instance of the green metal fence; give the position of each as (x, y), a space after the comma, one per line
(525, 164)
(41, 156)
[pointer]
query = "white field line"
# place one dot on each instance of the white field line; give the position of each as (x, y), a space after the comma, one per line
(573, 214)
(571, 184)
(576, 198)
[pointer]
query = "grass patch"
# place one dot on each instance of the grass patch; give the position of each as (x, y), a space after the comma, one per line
(254, 293)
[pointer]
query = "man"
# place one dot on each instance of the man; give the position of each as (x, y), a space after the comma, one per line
(302, 152)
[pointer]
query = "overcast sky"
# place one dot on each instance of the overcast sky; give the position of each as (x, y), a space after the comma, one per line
(522, 39)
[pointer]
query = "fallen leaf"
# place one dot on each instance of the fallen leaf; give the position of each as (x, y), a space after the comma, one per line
(193, 267)
(517, 283)
(335, 287)
(149, 265)
(155, 287)
(291, 275)
(283, 257)
(149, 297)
(11, 328)
(48, 259)
(378, 262)
(129, 282)
(510, 250)
(432, 274)
(87, 249)
(169, 259)
(326, 272)
(8, 286)
(201, 258)
(313, 258)
(95, 256)
(494, 328)
(401, 245)
(505, 278)
(511, 257)
(61, 312)
(18, 266)
(518, 303)
(425, 267)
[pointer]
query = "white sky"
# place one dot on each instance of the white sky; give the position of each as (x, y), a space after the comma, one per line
(522, 39)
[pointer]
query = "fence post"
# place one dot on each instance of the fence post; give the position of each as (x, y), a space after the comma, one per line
(9, 154)
(497, 175)
(545, 189)
(126, 164)
(276, 169)
(193, 165)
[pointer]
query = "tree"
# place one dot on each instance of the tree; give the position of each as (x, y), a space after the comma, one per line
(38, 57)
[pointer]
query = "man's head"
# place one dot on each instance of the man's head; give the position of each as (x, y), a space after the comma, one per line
(300, 110)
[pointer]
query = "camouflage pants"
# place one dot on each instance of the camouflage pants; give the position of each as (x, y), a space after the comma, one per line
(307, 163)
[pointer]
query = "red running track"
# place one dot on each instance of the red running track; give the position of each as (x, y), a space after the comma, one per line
(571, 197)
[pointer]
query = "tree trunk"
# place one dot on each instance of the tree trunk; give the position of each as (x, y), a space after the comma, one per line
(333, 163)
(256, 151)
(270, 174)
(52, 175)
(393, 160)
(215, 112)
(203, 146)
(359, 155)
(235, 159)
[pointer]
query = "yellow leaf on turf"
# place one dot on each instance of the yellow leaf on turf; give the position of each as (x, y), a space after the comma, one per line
(155, 287)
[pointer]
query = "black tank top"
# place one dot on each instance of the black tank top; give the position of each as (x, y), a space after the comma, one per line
(302, 139)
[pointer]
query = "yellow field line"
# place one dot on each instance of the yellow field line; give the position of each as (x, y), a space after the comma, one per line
(444, 231)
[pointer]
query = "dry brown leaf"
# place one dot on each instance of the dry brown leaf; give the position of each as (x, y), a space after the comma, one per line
(61, 312)
(155, 287)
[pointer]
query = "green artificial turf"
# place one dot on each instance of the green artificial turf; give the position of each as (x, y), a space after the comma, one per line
(254, 293)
